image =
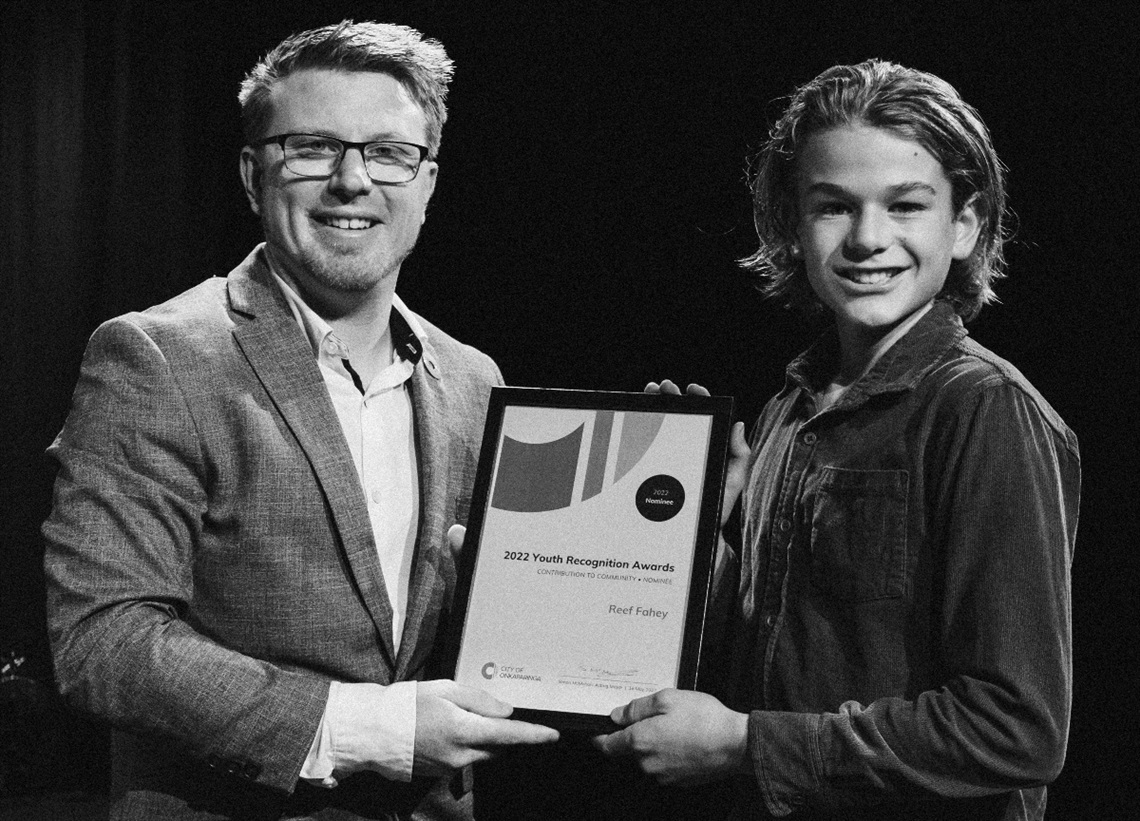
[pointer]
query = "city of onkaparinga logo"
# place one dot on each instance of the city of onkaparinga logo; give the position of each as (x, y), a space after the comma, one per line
(491, 670)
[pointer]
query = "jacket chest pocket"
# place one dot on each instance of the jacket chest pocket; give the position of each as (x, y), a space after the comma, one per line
(858, 534)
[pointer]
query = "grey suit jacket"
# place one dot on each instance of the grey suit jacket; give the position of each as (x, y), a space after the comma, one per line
(210, 561)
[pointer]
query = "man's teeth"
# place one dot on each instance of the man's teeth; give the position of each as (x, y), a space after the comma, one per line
(352, 224)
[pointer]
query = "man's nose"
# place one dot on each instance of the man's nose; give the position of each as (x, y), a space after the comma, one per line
(351, 177)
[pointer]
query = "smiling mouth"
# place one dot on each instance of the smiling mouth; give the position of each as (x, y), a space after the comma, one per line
(348, 223)
(869, 276)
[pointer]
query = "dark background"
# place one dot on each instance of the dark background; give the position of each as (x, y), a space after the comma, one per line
(590, 206)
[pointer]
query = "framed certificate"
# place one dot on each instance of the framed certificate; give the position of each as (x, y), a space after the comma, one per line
(585, 573)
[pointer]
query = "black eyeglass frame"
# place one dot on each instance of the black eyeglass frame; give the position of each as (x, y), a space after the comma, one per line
(345, 145)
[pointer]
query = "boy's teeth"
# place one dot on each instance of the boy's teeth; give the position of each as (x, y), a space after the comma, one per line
(869, 277)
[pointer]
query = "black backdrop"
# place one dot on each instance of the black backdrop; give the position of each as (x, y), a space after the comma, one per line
(590, 206)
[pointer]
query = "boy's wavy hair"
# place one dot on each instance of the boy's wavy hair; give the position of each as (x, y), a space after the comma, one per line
(913, 105)
(419, 63)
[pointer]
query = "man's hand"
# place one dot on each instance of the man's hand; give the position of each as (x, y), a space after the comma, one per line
(455, 536)
(457, 726)
(680, 737)
(737, 472)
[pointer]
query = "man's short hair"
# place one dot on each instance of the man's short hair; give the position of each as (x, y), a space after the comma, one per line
(419, 63)
(913, 105)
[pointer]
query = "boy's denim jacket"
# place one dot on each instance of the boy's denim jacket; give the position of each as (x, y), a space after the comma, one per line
(901, 631)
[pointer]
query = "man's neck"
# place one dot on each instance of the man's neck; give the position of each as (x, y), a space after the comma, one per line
(358, 318)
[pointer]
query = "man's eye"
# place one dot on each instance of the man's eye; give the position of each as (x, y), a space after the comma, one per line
(391, 153)
(314, 147)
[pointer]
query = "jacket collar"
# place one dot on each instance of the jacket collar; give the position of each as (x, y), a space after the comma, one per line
(255, 292)
(899, 369)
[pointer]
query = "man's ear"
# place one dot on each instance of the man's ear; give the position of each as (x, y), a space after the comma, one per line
(251, 180)
(967, 227)
(432, 170)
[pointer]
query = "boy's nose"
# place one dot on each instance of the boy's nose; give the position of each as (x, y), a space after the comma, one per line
(869, 234)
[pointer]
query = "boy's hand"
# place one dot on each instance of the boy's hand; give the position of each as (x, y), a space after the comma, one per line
(457, 726)
(737, 471)
(680, 737)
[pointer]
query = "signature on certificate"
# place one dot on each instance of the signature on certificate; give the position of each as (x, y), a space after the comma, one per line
(607, 673)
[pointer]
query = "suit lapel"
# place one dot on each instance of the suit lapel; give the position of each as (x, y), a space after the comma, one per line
(432, 460)
(283, 361)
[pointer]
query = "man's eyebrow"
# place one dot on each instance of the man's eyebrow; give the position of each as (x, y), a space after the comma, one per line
(385, 135)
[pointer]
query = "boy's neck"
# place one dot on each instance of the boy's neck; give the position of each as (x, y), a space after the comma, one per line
(858, 353)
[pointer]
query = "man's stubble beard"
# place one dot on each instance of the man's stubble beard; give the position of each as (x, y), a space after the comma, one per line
(353, 273)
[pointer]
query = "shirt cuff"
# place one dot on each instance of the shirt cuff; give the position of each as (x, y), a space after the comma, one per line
(785, 757)
(364, 727)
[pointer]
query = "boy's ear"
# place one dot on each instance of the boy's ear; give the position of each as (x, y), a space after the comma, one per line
(250, 170)
(967, 228)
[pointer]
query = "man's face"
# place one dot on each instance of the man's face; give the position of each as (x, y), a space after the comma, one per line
(339, 237)
(877, 227)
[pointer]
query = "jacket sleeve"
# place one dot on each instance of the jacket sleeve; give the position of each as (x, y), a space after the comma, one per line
(128, 508)
(1002, 502)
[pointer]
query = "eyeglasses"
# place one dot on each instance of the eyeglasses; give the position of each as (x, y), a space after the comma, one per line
(317, 156)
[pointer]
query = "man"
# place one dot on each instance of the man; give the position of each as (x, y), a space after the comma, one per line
(247, 558)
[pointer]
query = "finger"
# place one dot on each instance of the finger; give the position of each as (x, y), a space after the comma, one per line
(694, 389)
(668, 386)
(738, 442)
(652, 387)
(467, 698)
(501, 731)
(636, 710)
(618, 743)
(455, 536)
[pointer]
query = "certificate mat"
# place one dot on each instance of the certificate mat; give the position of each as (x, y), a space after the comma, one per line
(586, 568)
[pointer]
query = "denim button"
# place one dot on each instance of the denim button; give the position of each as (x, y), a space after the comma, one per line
(785, 525)
(810, 438)
(769, 621)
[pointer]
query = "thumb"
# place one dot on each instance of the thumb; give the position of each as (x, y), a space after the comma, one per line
(736, 472)
(470, 699)
(738, 442)
(455, 537)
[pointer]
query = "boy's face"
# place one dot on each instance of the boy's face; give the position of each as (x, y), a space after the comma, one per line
(877, 228)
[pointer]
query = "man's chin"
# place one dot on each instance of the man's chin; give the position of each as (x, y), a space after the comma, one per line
(355, 276)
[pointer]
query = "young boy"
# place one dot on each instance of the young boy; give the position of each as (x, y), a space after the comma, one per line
(900, 632)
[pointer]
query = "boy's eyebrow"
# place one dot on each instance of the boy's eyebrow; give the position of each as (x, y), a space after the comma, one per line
(895, 190)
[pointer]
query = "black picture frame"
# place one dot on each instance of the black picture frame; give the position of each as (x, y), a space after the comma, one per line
(481, 552)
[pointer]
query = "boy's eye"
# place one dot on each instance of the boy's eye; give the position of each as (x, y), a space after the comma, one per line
(830, 208)
(908, 206)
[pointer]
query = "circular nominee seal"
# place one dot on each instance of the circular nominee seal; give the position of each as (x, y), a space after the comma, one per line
(660, 497)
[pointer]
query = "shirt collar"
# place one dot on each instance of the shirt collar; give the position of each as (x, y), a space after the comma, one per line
(408, 334)
(899, 369)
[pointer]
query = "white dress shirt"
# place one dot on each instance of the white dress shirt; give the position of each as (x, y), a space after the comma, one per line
(371, 726)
